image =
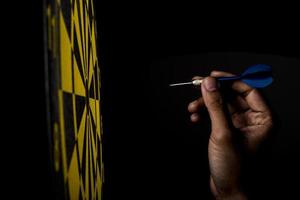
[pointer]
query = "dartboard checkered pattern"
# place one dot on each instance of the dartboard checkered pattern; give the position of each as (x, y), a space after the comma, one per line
(74, 92)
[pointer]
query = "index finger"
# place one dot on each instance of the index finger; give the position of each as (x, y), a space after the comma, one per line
(251, 95)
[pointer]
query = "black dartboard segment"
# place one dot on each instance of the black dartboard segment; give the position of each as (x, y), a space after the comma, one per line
(73, 74)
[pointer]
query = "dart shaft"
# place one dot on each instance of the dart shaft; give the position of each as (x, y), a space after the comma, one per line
(256, 76)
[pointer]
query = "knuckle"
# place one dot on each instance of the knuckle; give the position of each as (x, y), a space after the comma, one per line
(214, 72)
(269, 122)
(220, 137)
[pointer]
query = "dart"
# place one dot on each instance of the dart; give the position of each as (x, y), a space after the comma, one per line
(256, 76)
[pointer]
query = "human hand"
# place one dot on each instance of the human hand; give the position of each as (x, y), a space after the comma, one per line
(244, 116)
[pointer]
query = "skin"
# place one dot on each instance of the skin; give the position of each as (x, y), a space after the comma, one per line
(239, 124)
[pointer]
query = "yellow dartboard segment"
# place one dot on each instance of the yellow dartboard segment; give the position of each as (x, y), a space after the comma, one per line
(74, 91)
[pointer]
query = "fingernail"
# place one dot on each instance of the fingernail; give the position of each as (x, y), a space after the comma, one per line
(210, 84)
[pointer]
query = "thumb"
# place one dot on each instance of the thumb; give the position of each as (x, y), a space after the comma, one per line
(224, 162)
(215, 106)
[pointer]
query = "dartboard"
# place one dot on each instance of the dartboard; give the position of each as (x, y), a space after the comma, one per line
(73, 80)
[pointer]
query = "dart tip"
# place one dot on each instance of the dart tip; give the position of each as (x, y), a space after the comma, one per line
(194, 82)
(178, 84)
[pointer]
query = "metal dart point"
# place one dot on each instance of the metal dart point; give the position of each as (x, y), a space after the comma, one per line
(194, 82)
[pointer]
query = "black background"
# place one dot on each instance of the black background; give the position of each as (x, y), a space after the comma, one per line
(151, 149)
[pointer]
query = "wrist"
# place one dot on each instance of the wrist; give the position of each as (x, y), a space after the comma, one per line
(233, 196)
